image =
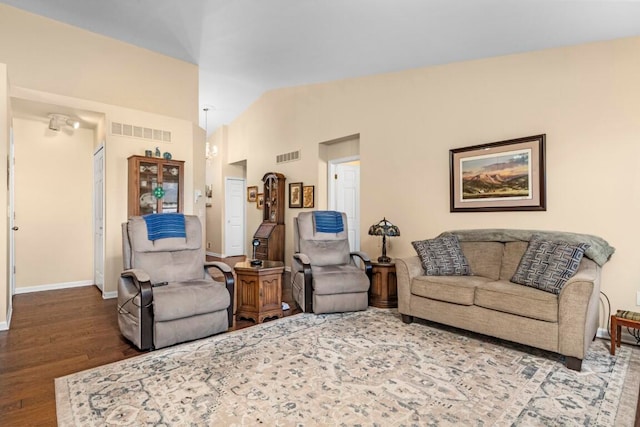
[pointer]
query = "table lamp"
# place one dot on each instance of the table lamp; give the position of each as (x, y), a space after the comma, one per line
(384, 228)
(255, 244)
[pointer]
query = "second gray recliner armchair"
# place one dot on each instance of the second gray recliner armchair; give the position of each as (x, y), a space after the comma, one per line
(325, 278)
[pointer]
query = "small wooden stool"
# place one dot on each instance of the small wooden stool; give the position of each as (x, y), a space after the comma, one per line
(618, 320)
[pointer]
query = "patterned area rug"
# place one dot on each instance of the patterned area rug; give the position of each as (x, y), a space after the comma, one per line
(365, 368)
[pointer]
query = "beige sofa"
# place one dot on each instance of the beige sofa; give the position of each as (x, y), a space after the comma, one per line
(488, 303)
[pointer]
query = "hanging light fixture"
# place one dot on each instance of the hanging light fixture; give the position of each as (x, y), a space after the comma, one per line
(209, 151)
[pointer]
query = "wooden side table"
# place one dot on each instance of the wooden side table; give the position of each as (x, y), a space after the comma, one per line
(259, 290)
(383, 292)
(632, 320)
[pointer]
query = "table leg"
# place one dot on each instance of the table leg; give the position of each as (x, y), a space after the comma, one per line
(614, 327)
(619, 333)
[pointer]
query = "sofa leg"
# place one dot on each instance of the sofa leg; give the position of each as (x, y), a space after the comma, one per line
(407, 319)
(574, 363)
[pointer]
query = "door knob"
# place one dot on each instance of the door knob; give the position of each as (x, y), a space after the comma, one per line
(15, 228)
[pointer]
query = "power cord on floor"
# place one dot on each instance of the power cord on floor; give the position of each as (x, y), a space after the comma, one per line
(121, 309)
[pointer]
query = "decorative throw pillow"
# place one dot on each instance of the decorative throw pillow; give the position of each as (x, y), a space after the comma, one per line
(442, 257)
(547, 264)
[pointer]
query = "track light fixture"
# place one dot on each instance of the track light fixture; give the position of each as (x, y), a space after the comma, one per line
(56, 120)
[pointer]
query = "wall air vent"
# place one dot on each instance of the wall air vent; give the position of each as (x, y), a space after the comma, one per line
(289, 157)
(135, 131)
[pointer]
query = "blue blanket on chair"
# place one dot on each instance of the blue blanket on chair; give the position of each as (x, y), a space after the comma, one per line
(328, 221)
(164, 226)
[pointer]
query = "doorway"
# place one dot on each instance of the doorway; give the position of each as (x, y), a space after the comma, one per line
(52, 199)
(234, 207)
(344, 194)
(98, 218)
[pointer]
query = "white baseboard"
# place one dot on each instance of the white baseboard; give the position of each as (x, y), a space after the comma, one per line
(4, 326)
(216, 254)
(54, 286)
(110, 295)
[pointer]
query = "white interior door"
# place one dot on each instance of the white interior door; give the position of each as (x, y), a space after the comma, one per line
(12, 221)
(234, 217)
(98, 218)
(346, 197)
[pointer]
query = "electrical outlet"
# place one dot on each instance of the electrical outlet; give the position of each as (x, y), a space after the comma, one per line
(209, 247)
(638, 298)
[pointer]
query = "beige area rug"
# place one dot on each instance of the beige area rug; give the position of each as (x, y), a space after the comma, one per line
(365, 368)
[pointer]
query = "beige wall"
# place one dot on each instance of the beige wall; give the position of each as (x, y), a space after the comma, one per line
(50, 56)
(585, 98)
(53, 204)
(57, 64)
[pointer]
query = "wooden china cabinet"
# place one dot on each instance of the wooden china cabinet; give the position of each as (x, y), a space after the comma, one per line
(156, 185)
(270, 233)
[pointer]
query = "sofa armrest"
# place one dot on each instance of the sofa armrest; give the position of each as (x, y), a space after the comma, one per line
(578, 310)
(406, 270)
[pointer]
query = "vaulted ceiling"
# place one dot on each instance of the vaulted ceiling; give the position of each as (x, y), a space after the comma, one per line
(246, 47)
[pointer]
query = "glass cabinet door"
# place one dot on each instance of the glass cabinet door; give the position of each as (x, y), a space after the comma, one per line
(171, 187)
(148, 182)
(155, 185)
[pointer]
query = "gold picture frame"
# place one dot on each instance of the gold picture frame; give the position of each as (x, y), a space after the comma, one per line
(252, 193)
(308, 196)
(500, 176)
(260, 201)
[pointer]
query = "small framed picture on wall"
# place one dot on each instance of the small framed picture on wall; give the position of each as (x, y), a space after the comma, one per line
(295, 195)
(308, 196)
(252, 193)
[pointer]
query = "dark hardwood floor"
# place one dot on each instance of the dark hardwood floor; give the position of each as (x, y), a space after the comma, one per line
(57, 333)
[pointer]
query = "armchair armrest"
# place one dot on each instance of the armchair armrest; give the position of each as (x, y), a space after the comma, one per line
(229, 282)
(368, 269)
(137, 274)
(142, 281)
(302, 258)
(308, 280)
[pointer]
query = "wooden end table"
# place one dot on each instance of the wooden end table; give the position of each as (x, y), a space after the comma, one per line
(383, 292)
(616, 330)
(259, 290)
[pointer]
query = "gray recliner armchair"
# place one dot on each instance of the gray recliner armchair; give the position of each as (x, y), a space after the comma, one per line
(324, 276)
(166, 294)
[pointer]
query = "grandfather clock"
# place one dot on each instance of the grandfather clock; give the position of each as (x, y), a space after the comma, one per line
(270, 233)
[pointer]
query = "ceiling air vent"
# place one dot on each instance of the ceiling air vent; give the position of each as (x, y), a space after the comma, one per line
(288, 157)
(136, 131)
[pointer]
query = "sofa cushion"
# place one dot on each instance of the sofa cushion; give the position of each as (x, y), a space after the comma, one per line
(513, 252)
(454, 289)
(547, 264)
(485, 258)
(508, 297)
(442, 257)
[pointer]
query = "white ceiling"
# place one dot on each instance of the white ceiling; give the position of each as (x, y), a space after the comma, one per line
(246, 47)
